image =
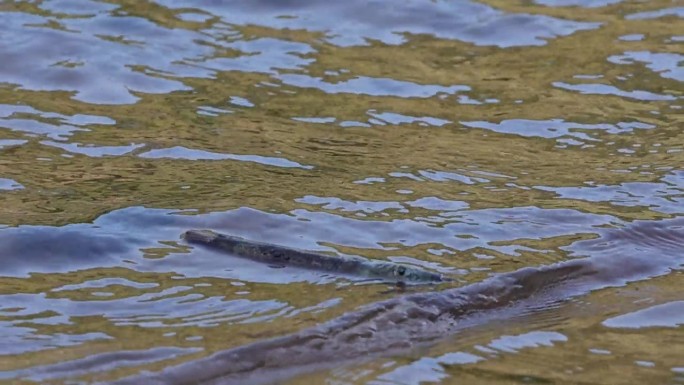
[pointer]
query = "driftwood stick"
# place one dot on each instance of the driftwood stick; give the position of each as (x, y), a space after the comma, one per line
(285, 256)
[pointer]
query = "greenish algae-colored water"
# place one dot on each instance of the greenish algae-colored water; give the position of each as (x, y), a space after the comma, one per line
(465, 137)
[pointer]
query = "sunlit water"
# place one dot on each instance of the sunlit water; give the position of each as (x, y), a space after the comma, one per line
(468, 138)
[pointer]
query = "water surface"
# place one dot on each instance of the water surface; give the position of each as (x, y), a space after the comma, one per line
(468, 138)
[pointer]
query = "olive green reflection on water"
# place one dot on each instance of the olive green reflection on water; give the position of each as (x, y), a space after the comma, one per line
(62, 190)
(464, 132)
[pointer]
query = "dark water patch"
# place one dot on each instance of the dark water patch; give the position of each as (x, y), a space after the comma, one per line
(36, 249)
(463, 20)
(640, 239)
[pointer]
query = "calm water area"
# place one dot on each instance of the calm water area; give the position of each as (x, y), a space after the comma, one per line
(465, 137)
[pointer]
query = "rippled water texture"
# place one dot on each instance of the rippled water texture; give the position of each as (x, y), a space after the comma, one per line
(467, 138)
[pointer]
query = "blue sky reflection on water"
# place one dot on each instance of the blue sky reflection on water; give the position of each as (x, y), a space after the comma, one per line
(460, 20)
(103, 74)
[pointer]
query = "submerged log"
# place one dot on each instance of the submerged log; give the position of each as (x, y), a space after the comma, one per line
(284, 256)
(396, 325)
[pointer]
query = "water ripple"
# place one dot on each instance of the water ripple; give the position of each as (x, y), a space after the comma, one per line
(669, 314)
(675, 11)
(355, 22)
(577, 3)
(605, 89)
(265, 55)
(666, 197)
(463, 137)
(180, 152)
(97, 363)
(103, 72)
(92, 150)
(664, 64)
(556, 128)
(372, 86)
(9, 184)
